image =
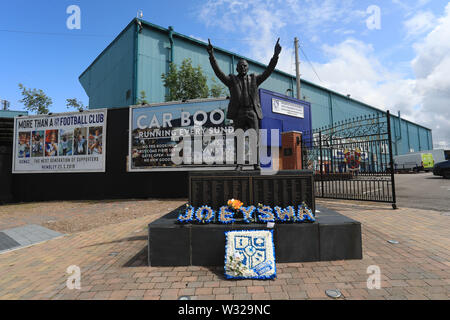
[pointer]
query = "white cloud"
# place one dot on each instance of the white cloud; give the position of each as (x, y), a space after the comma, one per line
(432, 69)
(258, 21)
(352, 66)
(198, 38)
(262, 21)
(410, 6)
(419, 24)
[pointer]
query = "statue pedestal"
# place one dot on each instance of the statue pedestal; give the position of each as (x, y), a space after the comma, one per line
(285, 188)
(332, 237)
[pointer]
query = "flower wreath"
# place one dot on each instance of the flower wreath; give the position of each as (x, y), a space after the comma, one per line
(250, 254)
(261, 214)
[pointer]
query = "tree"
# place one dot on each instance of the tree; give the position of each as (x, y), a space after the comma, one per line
(143, 98)
(76, 104)
(217, 90)
(185, 84)
(35, 100)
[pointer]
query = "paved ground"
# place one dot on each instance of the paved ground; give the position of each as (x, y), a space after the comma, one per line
(27, 235)
(75, 216)
(113, 265)
(423, 190)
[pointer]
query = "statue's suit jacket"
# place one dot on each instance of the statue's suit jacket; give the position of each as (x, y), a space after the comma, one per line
(234, 84)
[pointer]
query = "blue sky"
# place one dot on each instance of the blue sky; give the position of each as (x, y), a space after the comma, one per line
(400, 65)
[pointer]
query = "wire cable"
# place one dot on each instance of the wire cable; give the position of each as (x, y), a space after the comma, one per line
(56, 34)
(307, 59)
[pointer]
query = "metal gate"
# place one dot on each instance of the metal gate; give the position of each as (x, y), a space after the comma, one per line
(352, 159)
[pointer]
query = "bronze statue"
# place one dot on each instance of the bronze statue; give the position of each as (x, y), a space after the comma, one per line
(244, 107)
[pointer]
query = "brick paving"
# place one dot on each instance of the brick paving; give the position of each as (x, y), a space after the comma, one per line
(80, 215)
(113, 262)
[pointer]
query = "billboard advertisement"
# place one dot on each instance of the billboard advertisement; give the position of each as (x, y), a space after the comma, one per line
(155, 130)
(56, 143)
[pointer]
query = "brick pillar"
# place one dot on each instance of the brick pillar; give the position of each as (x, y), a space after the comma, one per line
(291, 150)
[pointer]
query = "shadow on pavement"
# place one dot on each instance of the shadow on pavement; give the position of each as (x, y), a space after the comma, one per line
(137, 238)
(139, 260)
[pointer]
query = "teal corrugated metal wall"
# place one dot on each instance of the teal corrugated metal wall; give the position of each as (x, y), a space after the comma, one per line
(12, 114)
(107, 80)
(320, 105)
(153, 61)
(409, 137)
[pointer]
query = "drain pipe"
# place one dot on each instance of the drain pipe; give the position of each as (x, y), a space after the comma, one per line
(138, 29)
(171, 44)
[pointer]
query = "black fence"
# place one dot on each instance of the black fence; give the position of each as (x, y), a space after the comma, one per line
(352, 159)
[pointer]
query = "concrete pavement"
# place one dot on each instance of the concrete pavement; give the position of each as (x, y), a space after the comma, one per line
(423, 191)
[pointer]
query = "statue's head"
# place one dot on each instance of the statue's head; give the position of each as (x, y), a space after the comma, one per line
(242, 67)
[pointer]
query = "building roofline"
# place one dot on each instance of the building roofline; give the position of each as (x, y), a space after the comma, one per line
(178, 102)
(204, 44)
(109, 46)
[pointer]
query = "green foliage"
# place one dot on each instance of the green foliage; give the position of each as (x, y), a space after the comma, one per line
(217, 90)
(187, 83)
(143, 98)
(35, 100)
(76, 104)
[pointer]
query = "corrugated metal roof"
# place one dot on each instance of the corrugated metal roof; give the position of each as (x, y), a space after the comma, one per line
(11, 113)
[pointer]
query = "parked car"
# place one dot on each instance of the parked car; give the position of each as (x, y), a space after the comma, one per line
(442, 169)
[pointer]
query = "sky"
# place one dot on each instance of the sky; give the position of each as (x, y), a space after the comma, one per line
(392, 54)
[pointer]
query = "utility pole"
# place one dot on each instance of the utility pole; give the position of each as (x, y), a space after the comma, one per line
(297, 68)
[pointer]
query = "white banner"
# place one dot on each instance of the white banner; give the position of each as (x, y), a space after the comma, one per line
(288, 108)
(65, 142)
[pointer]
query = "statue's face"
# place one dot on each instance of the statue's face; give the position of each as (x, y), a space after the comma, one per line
(242, 67)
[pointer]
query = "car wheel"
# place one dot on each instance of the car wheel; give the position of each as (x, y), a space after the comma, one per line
(446, 175)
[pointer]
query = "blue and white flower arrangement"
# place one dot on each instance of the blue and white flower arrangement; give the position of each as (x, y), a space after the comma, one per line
(187, 216)
(236, 212)
(265, 214)
(250, 254)
(204, 214)
(305, 214)
(247, 213)
(285, 215)
(226, 215)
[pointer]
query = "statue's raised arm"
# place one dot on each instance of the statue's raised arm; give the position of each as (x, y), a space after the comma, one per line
(272, 64)
(219, 73)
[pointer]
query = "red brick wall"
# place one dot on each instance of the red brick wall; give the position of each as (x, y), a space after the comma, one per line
(289, 141)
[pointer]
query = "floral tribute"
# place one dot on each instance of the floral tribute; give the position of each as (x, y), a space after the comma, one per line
(250, 254)
(305, 214)
(235, 204)
(235, 211)
(204, 214)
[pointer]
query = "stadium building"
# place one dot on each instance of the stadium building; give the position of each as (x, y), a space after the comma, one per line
(138, 56)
